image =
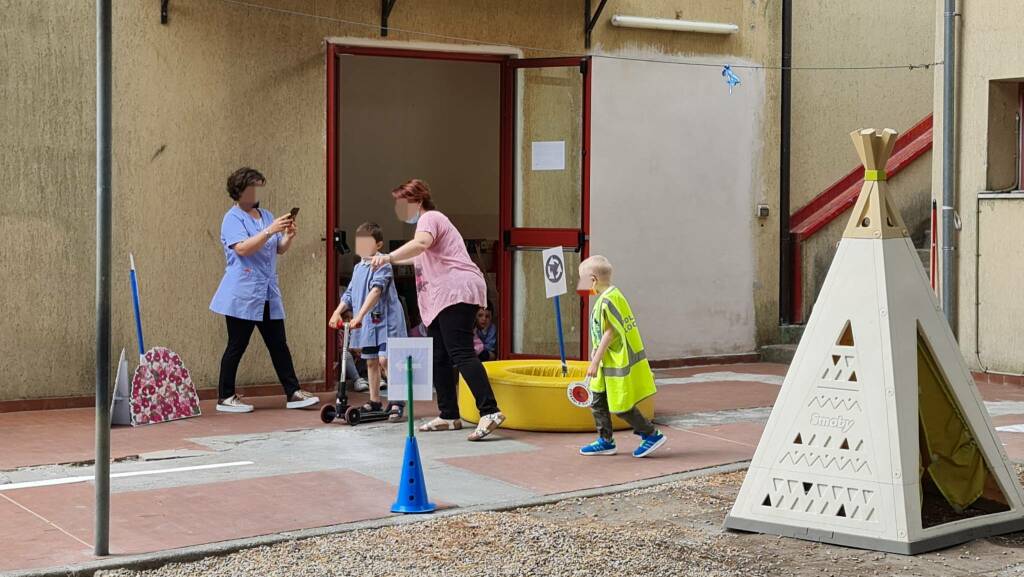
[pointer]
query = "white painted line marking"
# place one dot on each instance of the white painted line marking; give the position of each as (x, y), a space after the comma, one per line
(84, 478)
(723, 376)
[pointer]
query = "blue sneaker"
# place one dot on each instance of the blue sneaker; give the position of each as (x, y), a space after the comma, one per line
(649, 444)
(599, 447)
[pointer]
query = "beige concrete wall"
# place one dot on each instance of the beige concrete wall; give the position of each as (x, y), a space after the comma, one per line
(220, 86)
(1000, 344)
(828, 104)
(987, 58)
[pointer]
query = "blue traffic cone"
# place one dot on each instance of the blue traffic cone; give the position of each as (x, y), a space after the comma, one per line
(412, 491)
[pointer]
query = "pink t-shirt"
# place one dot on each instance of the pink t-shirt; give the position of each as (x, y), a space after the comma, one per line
(445, 275)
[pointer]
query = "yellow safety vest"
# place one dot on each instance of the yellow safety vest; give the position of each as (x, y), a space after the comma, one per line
(625, 375)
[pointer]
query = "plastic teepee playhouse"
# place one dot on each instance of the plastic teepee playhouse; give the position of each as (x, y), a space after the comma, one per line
(879, 439)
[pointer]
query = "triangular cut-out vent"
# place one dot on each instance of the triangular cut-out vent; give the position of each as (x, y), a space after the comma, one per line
(846, 337)
(798, 440)
(767, 501)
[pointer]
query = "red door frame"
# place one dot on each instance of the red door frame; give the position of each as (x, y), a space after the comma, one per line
(507, 136)
(539, 237)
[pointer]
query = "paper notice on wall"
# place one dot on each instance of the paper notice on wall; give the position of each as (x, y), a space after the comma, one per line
(548, 155)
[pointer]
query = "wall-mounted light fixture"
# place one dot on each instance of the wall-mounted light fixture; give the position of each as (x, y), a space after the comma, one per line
(673, 25)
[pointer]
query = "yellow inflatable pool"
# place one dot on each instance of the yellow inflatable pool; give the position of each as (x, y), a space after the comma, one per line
(532, 396)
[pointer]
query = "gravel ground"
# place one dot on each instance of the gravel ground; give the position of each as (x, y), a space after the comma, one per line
(669, 530)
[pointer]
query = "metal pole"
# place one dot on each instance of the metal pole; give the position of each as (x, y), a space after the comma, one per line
(103, 89)
(408, 398)
(561, 338)
(948, 284)
(786, 264)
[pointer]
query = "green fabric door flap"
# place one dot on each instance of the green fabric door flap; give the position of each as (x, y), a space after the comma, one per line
(957, 467)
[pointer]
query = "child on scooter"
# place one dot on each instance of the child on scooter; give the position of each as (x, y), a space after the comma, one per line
(377, 313)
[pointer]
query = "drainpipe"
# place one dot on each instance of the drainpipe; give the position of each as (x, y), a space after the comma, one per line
(948, 158)
(786, 312)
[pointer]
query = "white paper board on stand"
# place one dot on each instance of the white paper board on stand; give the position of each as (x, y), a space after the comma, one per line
(879, 438)
(554, 272)
(421, 351)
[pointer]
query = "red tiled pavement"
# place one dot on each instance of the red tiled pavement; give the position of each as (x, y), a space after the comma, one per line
(66, 436)
(168, 518)
(181, 516)
(1000, 391)
(556, 466)
(26, 541)
(753, 368)
(715, 396)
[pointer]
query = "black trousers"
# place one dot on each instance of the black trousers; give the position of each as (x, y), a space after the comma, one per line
(452, 332)
(272, 331)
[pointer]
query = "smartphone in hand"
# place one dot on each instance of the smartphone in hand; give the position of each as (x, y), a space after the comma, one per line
(294, 211)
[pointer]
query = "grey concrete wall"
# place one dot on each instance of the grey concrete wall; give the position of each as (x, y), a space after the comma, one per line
(673, 201)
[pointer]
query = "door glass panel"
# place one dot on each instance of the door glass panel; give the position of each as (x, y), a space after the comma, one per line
(534, 331)
(549, 144)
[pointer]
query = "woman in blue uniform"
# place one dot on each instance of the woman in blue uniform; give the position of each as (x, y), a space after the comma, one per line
(249, 296)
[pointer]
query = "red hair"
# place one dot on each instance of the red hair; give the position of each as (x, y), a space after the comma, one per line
(415, 190)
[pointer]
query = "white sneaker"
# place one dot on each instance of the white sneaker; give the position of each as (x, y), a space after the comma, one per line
(233, 404)
(361, 385)
(301, 400)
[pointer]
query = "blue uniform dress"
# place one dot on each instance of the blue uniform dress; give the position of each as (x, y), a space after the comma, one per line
(249, 282)
(386, 319)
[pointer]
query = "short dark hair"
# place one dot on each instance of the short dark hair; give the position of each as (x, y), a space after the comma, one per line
(242, 179)
(371, 229)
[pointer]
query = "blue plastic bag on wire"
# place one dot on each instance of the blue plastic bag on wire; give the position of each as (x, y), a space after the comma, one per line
(730, 77)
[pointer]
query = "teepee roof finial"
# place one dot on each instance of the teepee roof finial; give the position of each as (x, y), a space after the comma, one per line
(873, 215)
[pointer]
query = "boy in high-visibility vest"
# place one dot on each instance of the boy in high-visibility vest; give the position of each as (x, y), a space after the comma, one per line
(620, 376)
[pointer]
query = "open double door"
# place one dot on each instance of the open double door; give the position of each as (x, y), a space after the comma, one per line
(544, 192)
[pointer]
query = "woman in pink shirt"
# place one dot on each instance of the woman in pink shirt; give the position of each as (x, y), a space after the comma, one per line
(450, 289)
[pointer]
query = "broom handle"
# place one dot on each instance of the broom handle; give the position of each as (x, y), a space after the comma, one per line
(135, 303)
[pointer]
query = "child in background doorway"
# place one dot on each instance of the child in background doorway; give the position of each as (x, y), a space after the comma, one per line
(620, 376)
(487, 334)
(377, 312)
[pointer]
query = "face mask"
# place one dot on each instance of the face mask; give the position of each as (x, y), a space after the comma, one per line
(407, 212)
(586, 291)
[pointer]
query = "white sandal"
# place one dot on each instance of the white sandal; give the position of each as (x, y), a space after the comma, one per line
(487, 425)
(439, 424)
